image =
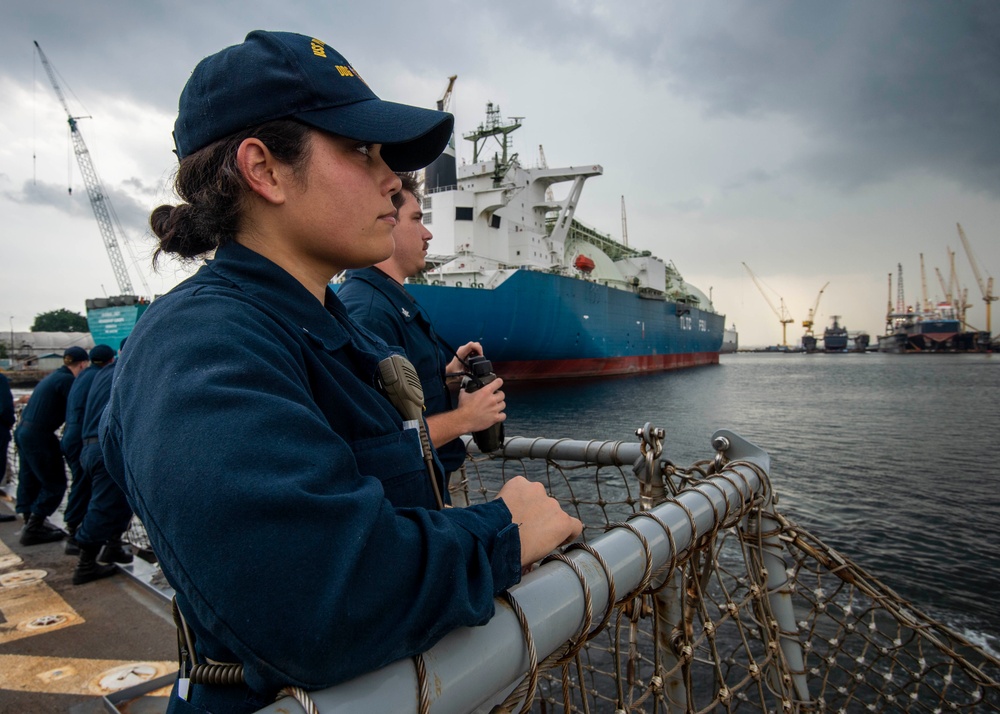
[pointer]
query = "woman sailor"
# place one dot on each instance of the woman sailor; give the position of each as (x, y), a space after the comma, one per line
(289, 507)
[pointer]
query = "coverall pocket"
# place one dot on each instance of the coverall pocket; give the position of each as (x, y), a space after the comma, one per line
(397, 461)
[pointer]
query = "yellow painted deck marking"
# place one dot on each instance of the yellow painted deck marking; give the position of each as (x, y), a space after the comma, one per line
(62, 675)
(31, 607)
(34, 609)
(8, 559)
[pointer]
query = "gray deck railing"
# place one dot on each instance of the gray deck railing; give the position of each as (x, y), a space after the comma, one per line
(473, 669)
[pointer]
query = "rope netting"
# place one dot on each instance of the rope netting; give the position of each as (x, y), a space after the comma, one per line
(703, 637)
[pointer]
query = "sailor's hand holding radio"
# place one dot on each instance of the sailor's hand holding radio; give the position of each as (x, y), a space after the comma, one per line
(542, 522)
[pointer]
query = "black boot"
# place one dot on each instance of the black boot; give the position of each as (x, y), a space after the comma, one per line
(88, 569)
(37, 531)
(71, 547)
(114, 552)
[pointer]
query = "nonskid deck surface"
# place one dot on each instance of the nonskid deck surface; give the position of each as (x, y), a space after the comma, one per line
(64, 647)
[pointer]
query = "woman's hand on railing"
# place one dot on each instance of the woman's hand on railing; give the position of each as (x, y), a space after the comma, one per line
(542, 523)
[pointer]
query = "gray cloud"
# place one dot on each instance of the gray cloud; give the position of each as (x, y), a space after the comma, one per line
(132, 214)
(883, 88)
(50, 194)
(691, 205)
(750, 178)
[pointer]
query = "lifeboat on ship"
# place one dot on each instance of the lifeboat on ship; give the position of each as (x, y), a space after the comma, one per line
(584, 264)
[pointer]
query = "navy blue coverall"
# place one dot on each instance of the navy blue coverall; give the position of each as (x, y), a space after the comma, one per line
(6, 422)
(72, 445)
(107, 513)
(42, 477)
(383, 306)
(288, 507)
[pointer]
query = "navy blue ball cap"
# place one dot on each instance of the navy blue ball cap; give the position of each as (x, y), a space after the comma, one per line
(102, 354)
(76, 354)
(279, 75)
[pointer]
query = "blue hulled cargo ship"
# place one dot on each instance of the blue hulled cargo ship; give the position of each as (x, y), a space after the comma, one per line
(545, 294)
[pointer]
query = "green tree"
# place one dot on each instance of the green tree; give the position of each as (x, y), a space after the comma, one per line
(61, 320)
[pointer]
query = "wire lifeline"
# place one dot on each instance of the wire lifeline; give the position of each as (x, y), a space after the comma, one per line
(423, 688)
(647, 572)
(301, 696)
(529, 684)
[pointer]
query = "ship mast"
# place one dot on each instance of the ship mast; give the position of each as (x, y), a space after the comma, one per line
(494, 128)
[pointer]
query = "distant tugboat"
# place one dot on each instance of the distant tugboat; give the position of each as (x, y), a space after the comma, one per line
(835, 337)
(730, 340)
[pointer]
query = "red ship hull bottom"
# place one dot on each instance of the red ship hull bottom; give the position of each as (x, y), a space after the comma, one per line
(600, 367)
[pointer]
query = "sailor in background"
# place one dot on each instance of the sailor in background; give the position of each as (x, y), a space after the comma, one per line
(288, 504)
(6, 424)
(107, 511)
(72, 444)
(376, 298)
(42, 476)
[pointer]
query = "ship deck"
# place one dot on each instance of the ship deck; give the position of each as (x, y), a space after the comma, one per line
(64, 648)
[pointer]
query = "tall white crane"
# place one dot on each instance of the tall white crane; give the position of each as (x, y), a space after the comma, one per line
(104, 212)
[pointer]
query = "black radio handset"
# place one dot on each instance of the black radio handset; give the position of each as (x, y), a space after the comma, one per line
(401, 383)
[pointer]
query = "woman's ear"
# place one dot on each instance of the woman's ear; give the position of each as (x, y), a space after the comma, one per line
(262, 172)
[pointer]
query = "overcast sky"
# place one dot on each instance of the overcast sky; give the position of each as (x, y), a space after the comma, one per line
(816, 142)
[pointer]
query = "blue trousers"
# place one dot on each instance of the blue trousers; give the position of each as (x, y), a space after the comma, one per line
(4, 444)
(79, 490)
(41, 481)
(108, 512)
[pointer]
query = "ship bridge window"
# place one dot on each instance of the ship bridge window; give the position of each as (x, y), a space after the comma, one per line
(463, 213)
(427, 219)
(495, 221)
(427, 203)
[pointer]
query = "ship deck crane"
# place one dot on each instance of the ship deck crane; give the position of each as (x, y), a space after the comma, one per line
(783, 316)
(808, 322)
(986, 289)
(107, 220)
(624, 225)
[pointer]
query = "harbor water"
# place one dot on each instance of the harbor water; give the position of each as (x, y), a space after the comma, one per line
(888, 458)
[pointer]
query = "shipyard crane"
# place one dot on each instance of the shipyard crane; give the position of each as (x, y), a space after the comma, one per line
(945, 289)
(900, 293)
(808, 322)
(107, 220)
(985, 288)
(442, 103)
(925, 305)
(888, 310)
(783, 316)
(960, 294)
